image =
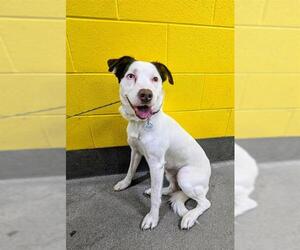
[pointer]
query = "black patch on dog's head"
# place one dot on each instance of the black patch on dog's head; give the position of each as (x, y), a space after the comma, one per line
(120, 66)
(164, 72)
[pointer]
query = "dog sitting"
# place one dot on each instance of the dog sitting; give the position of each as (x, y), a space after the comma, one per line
(166, 146)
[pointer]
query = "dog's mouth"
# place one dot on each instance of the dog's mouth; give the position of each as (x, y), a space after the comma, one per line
(143, 112)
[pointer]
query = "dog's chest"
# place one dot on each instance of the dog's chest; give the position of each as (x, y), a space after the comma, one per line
(140, 135)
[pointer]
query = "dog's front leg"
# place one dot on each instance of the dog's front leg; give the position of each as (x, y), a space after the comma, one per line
(156, 173)
(135, 160)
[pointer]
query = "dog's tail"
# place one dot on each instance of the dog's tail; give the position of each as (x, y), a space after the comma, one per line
(177, 202)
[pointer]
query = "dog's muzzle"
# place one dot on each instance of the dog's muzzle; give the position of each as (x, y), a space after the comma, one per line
(143, 112)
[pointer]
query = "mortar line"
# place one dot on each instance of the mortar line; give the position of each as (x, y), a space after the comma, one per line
(5, 49)
(46, 136)
(213, 12)
(229, 118)
(117, 9)
(291, 115)
(167, 43)
(266, 3)
(34, 18)
(202, 90)
(244, 90)
(63, 73)
(268, 109)
(267, 26)
(70, 53)
(90, 129)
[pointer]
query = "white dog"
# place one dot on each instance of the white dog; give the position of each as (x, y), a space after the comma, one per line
(166, 146)
(245, 173)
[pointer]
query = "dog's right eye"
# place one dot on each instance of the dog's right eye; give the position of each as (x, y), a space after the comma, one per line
(130, 76)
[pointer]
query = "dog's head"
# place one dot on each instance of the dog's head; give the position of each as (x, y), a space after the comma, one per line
(141, 90)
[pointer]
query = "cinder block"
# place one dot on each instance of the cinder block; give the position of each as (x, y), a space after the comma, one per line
(224, 13)
(92, 8)
(33, 8)
(248, 12)
(96, 132)
(175, 11)
(35, 45)
(93, 42)
(257, 50)
(203, 124)
(185, 94)
(282, 13)
(200, 49)
(85, 92)
(32, 132)
(218, 92)
(54, 128)
(23, 93)
(79, 133)
(269, 91)
(108, 130)
(261, 123)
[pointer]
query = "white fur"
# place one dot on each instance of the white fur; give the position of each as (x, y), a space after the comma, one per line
(167, 147)
(245, 174)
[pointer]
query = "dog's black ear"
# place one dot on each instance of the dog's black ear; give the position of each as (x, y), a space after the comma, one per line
(120, 66)
(164, 72)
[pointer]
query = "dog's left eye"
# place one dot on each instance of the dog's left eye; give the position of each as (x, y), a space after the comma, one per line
(130, 76)
(155, 79)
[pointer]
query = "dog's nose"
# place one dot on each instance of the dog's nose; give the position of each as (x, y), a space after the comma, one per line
(145, 95)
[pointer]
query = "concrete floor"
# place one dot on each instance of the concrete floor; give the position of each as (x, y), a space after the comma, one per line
(32, 213)
(98, 218)
(275, 223)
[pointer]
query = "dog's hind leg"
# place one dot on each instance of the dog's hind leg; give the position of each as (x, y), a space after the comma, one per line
(195, 185)
(177, 202)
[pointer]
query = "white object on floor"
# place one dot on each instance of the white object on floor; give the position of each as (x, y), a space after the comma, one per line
(245, 173)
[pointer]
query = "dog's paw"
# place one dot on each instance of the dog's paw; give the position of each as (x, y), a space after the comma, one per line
(149, 222)
(244, 206)
(188, 220)
(179, 208)
(147, 191)
(121, 185)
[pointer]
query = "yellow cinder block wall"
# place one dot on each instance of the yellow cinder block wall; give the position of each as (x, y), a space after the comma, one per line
(194, 38)
(32, 74)
(267, 68)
